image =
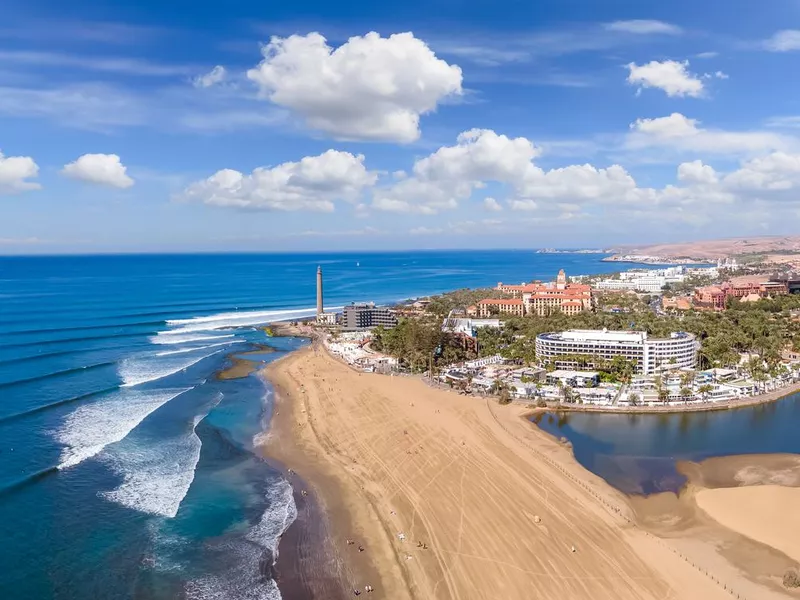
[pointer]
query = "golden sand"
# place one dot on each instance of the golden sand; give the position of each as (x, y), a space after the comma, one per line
(503, 510)
(769, 514)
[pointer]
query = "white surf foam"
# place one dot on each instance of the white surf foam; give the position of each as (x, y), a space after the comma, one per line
(281, 513)
(234, 319)
(245, 581)
(150, 367)
(157, 477)
(195, 349)
(92, 427)
(184, 339)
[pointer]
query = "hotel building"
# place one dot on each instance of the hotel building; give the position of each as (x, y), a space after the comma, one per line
(492, 306)
(365, 316)
(546, 298)
(715, 297)
(651, 355)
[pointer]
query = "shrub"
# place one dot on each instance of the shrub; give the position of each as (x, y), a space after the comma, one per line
(541, 403)
(791, 579)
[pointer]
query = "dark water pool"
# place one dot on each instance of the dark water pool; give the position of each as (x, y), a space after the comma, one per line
(637, 453)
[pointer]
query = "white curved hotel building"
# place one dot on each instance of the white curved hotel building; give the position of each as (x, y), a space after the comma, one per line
(650, 354)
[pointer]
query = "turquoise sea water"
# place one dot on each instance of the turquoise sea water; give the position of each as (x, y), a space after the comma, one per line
(126, 469)
(637, 454)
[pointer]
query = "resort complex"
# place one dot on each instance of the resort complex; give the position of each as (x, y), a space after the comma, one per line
(570, 349)
(474, 346)
(539, 298)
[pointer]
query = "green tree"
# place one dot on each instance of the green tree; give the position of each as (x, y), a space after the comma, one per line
(705, 390)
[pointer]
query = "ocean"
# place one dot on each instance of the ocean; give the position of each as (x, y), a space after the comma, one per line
(127, 469)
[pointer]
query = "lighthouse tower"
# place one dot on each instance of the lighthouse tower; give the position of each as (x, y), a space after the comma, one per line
(319, 292)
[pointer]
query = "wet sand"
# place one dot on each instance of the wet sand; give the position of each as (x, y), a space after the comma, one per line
(241, 366)
(498, 504)
(765, 513)
(736, 518)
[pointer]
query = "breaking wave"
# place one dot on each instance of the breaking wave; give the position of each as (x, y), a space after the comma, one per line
(92, 427)
(245, 580)
(156, 477)
(196, 349)
(184, 339)
(150, 367)
(233, 319)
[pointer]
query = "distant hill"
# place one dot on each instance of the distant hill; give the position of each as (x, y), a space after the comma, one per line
(719, 248)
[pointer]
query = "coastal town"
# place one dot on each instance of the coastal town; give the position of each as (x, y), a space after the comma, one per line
(638, 366)
(445, 388)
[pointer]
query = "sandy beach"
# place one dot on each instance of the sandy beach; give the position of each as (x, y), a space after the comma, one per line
(455, 497)
(765, 513)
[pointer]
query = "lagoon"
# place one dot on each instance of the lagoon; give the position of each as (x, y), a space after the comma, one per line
(637, 453)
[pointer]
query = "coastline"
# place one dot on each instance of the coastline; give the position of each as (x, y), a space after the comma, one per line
(332, 569)
(388, 455)
(748, 401)
(730, 519)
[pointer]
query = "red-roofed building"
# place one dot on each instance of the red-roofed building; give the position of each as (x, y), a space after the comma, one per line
(492, 306)
(546, 298)
(711, 297)
(716, 297)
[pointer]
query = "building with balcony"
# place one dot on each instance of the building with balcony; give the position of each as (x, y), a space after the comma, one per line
(577, 348)
(495, 306)
(546, 298)
(366, 316)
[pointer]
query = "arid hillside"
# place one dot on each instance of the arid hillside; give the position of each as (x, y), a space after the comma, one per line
(720, 248)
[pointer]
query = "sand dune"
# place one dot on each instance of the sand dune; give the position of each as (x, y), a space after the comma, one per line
(765, 513)
(498, 504)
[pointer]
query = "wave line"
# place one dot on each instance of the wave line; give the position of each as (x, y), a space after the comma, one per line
(6, 384)
(46, 407)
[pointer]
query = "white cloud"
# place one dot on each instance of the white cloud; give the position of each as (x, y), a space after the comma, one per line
(95, 107)
(313, 183)
(487, 56)
(790, 122)
(581, 183)
(492, 205)
(682, 133)
(711, 54)
(426, 231)
(644, 27)
(784, 41)
(119, 65)
(696, 172)
(370, 88)
(451, 173)
(364, 231)
(213, 77)
(671, 76)
(14, 173)
(28, 241)
(104, 169)
(480, 156)
(523, 205)
(776, 172)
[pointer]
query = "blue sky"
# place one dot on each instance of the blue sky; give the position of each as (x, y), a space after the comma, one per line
(270, 126)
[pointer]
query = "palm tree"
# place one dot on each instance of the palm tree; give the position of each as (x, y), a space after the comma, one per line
(663, 394)
(705, 390)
